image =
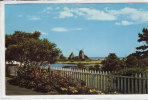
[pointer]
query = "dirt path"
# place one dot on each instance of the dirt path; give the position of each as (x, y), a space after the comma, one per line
(16, 90)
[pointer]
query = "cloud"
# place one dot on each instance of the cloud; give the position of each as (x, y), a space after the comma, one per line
(66, 13)
(43, 33)
(33, 18)
(46, 10)
(124, 22)
(78, 29)
(20, 16)
(94, 14)
(133, 14)
(57, 8)
(128, 15)
(62, 29)
(59, 29)
(87, 13)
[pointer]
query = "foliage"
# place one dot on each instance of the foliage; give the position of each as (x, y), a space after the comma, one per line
(95, 67)
(143, 49)
(80, 65)
(33, 77)
(131, 71)
(112, 63)
(22, 46)
(131, 61)
(61, 57)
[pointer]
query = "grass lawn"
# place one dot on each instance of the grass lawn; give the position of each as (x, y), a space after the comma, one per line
(92, 61)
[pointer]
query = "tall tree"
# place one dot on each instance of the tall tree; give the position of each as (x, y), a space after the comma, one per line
(22, 46)
(143, 38)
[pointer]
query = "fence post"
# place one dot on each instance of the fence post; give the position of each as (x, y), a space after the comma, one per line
(125, 86)
(106, 83)
(100, 80)
(103, 81)
(140, 83)
(136, 85)
(132, 84)
(119, 83)
(93, 79)
(128, 89)
(146, 82)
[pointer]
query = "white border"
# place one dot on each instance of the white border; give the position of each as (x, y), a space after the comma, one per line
(2, 54)
(74, 1)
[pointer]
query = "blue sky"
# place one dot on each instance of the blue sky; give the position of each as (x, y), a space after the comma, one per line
(98, 29)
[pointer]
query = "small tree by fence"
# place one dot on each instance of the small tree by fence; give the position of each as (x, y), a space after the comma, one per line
(107, 82)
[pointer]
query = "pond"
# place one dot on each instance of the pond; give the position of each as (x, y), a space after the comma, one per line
(53, 66)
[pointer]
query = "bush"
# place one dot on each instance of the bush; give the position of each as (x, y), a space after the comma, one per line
(131, 61)
(80, 65)
(32, 77)
(112, 63)
(131, 71)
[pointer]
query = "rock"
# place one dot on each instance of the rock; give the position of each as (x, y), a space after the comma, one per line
(71, 56)
(81, 54)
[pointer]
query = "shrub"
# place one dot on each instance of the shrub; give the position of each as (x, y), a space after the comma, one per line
(31, 76)
(131, 71)
(112, 63)
(131, 61)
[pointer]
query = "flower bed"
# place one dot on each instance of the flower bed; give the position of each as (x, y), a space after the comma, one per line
(33, 77)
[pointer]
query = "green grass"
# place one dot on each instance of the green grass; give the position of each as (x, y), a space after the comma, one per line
(92, 61)
(8, 78)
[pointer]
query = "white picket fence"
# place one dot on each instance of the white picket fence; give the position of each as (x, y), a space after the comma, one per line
(105, 81)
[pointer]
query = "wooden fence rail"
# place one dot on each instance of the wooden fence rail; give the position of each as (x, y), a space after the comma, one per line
(107, 82)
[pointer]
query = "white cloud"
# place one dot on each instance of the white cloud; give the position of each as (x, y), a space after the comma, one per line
(93, 14)
(77, 29)
(46, 10)
(33, 18)
(87, 13)
(59, 29)
(124, 22)
(66, 13)
(131, 14)
(62, 29)
(43, 33)
(128, 15)
(57, 8)
(20, 16)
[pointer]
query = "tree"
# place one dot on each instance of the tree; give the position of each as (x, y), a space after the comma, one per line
(112, 63)
(143, 38)
(22, 46)
(131, 61)
(61, 57)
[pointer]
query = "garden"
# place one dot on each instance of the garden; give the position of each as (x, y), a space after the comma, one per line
(32, 76)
